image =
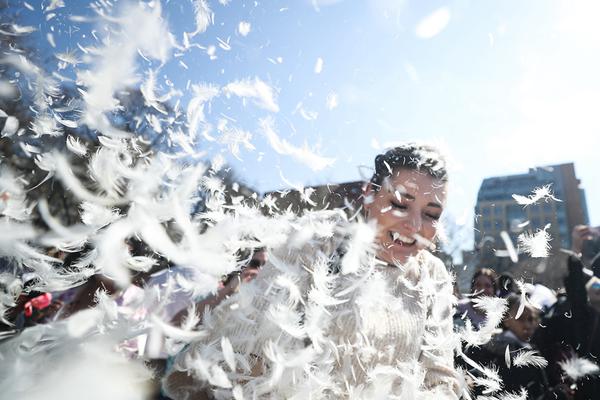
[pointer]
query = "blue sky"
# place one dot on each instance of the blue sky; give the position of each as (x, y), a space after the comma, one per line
(501, 86)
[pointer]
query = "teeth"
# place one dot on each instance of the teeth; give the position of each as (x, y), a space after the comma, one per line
(403, 239)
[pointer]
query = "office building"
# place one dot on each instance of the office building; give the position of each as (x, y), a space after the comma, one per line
(497, 210)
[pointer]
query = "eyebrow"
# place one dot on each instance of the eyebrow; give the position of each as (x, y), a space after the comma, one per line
(430, 204)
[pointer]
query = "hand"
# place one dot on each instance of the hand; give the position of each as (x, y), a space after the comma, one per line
(244, 276)
(580, 234)
(249, 273)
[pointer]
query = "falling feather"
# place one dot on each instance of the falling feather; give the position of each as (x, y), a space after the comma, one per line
(244, 28)
(303, 155)
(228, 353)
(204, 16)
(536, 245)
(529, 358)
(238, 392)
(11, 126)
(76, 146)
(522, 395)
(318, 66)
(579, 367)
(262, 94)
(523, 298)
(540, 193)
(494, 309)
(177, 333)
(510, 248)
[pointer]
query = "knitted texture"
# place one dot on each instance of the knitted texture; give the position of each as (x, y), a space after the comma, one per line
(302, 331)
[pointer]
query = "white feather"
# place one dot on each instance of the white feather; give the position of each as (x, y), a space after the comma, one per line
(228, 354)
(177, 333)
(510, 248)
(302, 154)
(529, 358)
(76, 146)
(536, 245)
(204, 16)
(579, 367)
(238, 392)
(262, 94)
(540, 193)
(507, 359)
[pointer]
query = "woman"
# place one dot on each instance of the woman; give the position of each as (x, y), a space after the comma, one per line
(358, 310)
(483, 283)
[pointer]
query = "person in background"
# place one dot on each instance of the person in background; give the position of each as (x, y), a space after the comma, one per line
(506, 285)
(230, 285)
(483, 283)
(504, 349)
(571, 326)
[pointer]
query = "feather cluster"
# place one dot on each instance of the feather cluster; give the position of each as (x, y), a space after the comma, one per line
(324, 319)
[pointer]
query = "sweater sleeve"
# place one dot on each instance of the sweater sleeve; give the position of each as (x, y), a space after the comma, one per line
(437, 352)
(253, 337)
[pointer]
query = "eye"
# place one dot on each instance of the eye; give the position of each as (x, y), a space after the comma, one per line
(398, 206)
(434, 217)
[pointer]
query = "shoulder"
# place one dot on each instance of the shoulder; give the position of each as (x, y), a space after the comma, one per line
(463, 305)
(497, 345)
(435, 267)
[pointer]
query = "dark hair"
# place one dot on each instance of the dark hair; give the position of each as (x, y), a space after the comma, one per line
(506, 284)
(513, 302)
(411, 156)
(487, 272)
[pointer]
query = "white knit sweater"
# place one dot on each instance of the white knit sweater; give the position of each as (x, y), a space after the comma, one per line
(300, 331)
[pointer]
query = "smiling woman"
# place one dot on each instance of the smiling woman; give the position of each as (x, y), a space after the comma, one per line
(356, 310)
(406, 197)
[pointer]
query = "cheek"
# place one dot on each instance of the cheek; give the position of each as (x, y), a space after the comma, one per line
(429, 231)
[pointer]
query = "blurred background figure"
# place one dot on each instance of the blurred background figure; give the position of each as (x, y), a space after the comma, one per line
(570, 327)
(483, 283)
(229, 286)
(505, 349)
(506, 285)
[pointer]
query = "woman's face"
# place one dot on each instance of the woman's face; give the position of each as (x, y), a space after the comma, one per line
(407, 209)
(483, 286)
(524, 327)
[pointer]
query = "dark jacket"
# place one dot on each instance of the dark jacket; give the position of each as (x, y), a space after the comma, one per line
(532, 378)
(572, 327)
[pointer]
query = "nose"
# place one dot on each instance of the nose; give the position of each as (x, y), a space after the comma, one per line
(413, 222)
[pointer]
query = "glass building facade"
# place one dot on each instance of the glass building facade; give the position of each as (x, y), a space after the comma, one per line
(498, 211)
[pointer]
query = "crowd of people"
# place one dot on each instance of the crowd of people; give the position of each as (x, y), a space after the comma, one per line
(399, 301)
(559, 330)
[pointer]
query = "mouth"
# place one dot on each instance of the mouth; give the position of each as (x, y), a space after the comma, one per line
(402, 240)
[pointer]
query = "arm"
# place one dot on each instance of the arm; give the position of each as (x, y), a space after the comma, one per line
(437, 355)
(575, 284)
(232, 286)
